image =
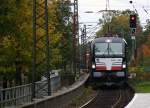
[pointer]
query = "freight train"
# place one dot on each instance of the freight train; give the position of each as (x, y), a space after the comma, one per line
(108, 61)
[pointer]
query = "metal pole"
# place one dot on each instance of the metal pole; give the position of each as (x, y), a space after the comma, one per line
(47, 49)
(133, 48)
(81, 49)
(75, 37)
(74, 41)
(34, 49)
(78, 38)
(133, 44)
(84, 34)
(85, 46)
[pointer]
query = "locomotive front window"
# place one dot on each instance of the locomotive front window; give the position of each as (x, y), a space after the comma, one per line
(108, 49)
(101, 48)
(115, 49)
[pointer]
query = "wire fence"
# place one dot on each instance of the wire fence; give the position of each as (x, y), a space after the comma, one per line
(19, 95)
(15, 95)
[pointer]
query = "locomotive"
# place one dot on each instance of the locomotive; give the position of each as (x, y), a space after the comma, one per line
(109, 61)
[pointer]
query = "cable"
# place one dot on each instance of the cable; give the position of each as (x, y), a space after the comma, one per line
(92, 33)
(91, 37)
(108, 5)
(92, 28)
(145, 10)
(135, 9)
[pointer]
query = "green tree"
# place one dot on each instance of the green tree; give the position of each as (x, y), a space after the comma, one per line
(15, 31)
(16, 39)
(60, 34)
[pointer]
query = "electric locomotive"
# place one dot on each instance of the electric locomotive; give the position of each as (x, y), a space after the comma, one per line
(109, 60)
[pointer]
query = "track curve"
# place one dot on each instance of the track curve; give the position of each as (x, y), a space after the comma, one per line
(112, 97)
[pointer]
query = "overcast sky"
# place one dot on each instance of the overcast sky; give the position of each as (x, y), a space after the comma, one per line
(97, 5)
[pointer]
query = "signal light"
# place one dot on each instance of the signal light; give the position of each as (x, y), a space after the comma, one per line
(132, 21)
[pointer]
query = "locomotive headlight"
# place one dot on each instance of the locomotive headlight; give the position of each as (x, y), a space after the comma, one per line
(93, 66)
(124, 66)
(108, 40)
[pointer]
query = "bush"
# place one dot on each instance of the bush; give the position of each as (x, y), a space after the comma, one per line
(141, 74)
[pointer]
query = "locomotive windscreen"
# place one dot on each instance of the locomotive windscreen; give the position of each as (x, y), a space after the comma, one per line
(108, 49)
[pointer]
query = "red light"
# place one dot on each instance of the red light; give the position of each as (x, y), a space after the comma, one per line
(132, 21)
(132, 18)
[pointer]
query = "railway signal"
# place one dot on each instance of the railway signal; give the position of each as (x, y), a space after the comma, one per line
(132, 21)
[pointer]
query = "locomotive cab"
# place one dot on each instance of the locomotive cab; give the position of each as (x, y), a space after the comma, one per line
(109, 62)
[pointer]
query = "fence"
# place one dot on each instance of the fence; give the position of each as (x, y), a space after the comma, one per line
(62, 97)
(22, 94)
(15, 95)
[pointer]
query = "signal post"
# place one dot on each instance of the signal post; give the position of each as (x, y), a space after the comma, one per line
(132, 21)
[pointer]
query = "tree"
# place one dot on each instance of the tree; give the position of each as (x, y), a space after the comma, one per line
(60, 35)
(15, 37)
(16, 40)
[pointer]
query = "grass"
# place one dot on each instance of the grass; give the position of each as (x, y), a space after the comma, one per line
(141, 83)
(141, 86)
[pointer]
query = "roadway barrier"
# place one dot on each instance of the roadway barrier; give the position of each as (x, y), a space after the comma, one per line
(62, 98)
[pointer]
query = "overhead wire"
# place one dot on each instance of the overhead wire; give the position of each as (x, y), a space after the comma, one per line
(88, 38)
(92, 33)
(146, 11)
(92, 28)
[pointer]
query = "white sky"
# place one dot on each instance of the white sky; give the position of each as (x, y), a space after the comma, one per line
(97, 5)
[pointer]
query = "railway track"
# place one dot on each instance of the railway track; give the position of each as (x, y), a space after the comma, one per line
(111, 97)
